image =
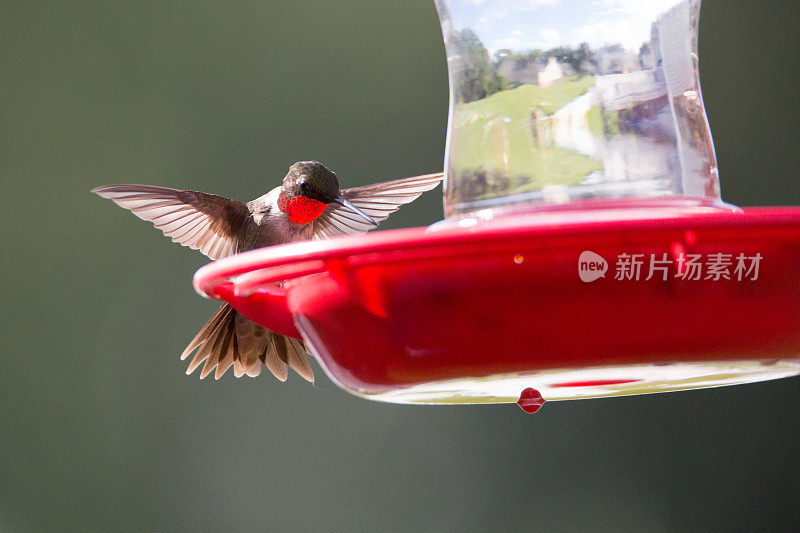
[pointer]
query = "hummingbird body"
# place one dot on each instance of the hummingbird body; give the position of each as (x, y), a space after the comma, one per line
(308, 205)
(268, 225)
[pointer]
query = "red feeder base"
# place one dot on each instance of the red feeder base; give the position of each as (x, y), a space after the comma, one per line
(477, 312)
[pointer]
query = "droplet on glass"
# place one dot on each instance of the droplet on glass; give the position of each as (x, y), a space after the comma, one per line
(530, 400)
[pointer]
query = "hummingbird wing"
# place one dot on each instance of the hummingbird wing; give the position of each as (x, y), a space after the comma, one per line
(378, 201)
(201, 221)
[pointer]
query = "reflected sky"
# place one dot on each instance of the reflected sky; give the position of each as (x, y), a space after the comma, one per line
(557, 22)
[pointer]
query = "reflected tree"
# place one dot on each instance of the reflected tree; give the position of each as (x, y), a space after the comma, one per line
(478, 77)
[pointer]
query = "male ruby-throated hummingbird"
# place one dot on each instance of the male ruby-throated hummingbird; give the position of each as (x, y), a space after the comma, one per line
(308, 205)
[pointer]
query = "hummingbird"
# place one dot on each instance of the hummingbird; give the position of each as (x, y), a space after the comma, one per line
(309, 204)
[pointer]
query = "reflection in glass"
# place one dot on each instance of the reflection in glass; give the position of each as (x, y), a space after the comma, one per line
(555, 100)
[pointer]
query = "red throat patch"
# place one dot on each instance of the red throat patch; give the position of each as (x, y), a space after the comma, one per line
(301, 209)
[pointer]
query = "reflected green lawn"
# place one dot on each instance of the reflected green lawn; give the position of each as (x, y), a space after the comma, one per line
(506, 140)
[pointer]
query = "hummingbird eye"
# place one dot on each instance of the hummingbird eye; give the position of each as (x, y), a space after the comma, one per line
(303, 183)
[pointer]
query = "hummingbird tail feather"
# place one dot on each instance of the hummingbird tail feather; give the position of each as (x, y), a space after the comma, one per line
(230, 339)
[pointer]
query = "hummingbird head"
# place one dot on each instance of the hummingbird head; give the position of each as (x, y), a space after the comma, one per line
(308, 188)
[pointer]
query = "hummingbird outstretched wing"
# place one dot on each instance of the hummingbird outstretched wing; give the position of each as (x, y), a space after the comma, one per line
(201, 221)
(378, 200)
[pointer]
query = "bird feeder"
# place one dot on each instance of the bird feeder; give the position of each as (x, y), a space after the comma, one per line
(585, 250)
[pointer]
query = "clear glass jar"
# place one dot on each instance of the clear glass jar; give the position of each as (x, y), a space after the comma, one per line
(556, 101)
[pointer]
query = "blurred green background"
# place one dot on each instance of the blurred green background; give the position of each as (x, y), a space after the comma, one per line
(101, 430)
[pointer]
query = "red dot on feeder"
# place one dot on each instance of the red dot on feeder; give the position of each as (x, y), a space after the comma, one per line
(530, 400)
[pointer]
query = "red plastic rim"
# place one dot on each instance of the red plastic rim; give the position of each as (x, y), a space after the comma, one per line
(478, 311)
(243, 273)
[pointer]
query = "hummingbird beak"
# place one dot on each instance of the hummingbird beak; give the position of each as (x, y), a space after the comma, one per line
(341, 200)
